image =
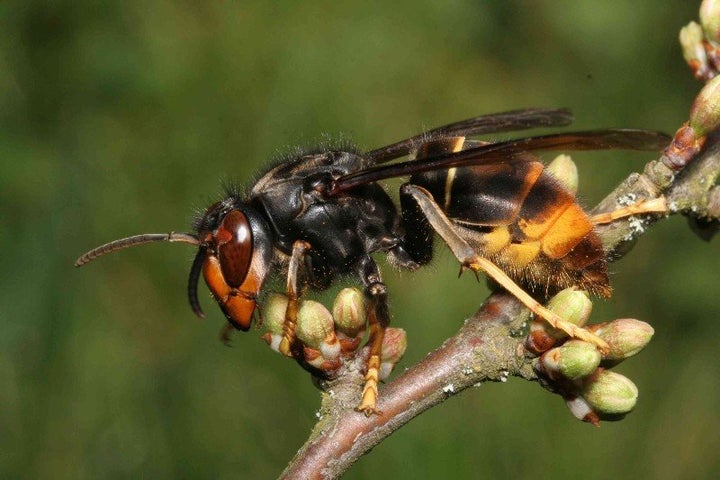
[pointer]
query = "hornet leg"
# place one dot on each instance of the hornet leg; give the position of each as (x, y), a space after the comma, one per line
(656, 205)
(297, 259)
(378, 319)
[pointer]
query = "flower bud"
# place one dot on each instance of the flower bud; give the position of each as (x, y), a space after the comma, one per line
(691, 136)
(710, 19)
(609, 393)
(572, 360)
(564, 170)
(273, 317)
(625, 337)
(570, 304)
(349, 313)
(315, 328)
(393, 348)
(691, 41)
(705, 111)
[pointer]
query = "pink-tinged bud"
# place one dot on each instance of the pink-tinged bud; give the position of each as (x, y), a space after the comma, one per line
(394, 345)
(609, 393)
(565, 171)
(572, 360)
(393, 348)
(316, 329)
(710, 19)
(570, 304)
(273, 315)
(625, 336)
(705, 111)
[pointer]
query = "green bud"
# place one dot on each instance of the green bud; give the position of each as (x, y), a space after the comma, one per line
(572, 360)
(625, 336)
(570, 304)
(393, 348)
(705, 111)
(610, 393)
(691, 41)
(710, 19)
(564, 169)
(273, 315)
(349, 313)
(314, 323)
(315, 328)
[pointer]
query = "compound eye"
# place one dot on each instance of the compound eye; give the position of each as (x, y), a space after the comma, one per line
(235, 247)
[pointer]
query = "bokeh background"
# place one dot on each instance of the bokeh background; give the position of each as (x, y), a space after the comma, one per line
(124, 117)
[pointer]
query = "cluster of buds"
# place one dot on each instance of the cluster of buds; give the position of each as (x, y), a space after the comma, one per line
(330, 338)
(577, 370)
(701, 42)
(701, 49)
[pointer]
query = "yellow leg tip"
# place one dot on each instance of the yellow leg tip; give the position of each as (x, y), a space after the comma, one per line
(285, 347)
(368, 403)
(581, 334)
(584, 335)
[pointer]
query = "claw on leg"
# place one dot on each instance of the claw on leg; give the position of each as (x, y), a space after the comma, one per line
(368, 402)
(284, 346)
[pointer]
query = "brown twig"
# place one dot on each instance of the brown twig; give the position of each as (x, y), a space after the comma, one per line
(484, 349)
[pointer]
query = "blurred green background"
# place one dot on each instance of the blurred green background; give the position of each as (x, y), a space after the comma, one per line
(124, 117)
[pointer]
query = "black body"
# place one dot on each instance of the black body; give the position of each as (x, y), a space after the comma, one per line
(342, 230)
